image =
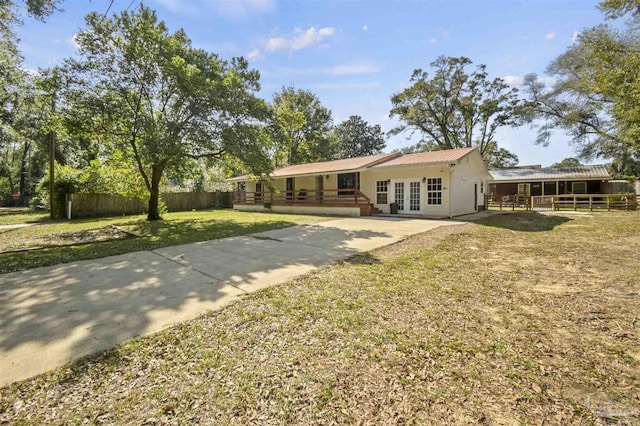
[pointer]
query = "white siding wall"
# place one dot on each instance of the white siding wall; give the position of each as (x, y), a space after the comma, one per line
(464, 177)
(370, 177)
(458, 185)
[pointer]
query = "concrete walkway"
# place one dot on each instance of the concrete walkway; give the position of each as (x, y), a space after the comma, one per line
(52, 315)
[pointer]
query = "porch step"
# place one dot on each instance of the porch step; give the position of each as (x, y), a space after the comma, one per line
(375, 210)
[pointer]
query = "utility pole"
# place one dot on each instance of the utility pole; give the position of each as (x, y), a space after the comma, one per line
(52, 159)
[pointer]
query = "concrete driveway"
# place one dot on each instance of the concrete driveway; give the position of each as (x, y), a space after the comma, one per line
(52, 315)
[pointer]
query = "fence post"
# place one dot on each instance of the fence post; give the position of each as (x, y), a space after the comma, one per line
(575, 203)
(608, 204)
(590, 202)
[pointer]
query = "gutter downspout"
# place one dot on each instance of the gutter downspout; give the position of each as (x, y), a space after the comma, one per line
(449, 189)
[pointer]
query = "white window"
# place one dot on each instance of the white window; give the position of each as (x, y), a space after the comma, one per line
(382, 190)
(434, 191)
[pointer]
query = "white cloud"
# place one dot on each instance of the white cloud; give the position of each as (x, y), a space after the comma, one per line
(516, 80)
(432, 40)
(365, 28)
(255, 55)
(31, 71)
(513, 80)
(352, 69)
(300, 39)
(574, 37)
(180, 6)
(550, 36)
(343, 86)
(357, 68)
(443, 32)
(230, 9)
(73, 41)
(241, 9)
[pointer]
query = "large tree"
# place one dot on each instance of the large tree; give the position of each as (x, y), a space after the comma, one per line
(356, 138)
(162, 101)
(12, 75)
(21, 109)
(567, 162)
(456, 107)
(301, 128)
(596, 96)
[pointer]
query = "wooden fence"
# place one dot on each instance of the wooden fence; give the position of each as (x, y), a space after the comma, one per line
(563, 202)
(98, 205)
(507, 202)
(589, 201)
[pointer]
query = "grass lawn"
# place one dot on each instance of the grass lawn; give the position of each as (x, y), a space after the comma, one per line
(50, 242)
(523, 318)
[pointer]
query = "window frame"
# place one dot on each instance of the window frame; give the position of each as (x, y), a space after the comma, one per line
(348, 190)
(573, 187)
(382, 190)
(434, 191)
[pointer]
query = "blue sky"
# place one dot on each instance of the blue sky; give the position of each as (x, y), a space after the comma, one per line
(355, 54)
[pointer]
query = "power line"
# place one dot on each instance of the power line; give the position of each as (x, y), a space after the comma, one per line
(131, 4)
(108, 9)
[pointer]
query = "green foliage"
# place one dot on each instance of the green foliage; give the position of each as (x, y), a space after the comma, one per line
(22, 117)
(596, 97)
(568, 162)
(97, 178)
(455, 108)
(160, 101)
(357, 138)
(301, 128)
(500, 158)
(617, 8)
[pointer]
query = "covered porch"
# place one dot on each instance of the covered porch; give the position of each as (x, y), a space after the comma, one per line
(331, 187)
(315, 199)
(318, 199)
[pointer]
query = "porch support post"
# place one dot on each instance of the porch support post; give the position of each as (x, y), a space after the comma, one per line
(557, 187)
(357, 186)
(542, 185)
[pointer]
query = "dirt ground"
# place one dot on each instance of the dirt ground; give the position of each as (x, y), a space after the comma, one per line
(524, 318)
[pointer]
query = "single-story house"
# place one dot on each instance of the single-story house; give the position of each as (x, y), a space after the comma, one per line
(537, 180)
(432, 184)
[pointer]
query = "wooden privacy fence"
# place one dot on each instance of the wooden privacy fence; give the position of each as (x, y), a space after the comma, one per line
(97, 205)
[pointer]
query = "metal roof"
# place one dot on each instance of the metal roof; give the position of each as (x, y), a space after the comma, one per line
(443, 156)
(393, 159)
(344, 165)
(550, 173)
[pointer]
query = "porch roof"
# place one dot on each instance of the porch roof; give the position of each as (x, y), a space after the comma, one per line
(596, 172)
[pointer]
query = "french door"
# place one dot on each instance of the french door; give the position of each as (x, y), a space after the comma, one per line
(408, 196)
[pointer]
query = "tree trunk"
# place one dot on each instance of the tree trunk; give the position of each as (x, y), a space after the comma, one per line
(23, 175)
(154, 199)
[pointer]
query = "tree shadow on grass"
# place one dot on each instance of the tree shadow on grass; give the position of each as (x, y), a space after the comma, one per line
(51, 315)
(524, 221)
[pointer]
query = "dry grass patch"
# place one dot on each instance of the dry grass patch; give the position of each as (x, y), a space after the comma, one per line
(522, 319)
